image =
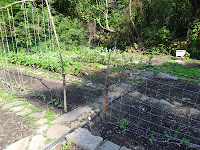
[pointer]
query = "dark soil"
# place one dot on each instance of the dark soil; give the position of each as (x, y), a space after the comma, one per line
(13, 128)
(147, 119)
(40, 91)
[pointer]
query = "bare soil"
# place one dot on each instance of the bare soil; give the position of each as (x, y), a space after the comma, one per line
(13, 128)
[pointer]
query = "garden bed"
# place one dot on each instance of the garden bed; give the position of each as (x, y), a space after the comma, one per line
(158, 116)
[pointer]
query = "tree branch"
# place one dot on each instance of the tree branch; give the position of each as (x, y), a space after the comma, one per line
(17, 2)
(108, 29)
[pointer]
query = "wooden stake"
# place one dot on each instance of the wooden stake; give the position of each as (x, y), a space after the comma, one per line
(105, 101)
(63, 71)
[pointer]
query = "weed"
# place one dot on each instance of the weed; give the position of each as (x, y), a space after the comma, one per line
(152, 138)
(39, 95)
(47, 141)
(50, 115)
(66, 146)
(123, 123)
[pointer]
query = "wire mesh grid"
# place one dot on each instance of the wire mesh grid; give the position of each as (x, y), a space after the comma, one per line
(160, 110)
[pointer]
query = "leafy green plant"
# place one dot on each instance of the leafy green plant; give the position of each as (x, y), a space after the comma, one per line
(123, 123)
(66, 146)
(39, 95)
(174, 137)
(152, 138)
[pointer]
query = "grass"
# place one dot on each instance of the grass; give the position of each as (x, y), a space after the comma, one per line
(184, 72)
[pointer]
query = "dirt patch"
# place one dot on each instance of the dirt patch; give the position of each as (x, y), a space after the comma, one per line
(40, 91)
(13, 128)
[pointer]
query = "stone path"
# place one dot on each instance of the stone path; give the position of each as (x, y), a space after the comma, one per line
(52, 131)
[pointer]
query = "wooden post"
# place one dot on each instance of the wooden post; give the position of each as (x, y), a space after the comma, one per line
(63, 71)
(105, 101)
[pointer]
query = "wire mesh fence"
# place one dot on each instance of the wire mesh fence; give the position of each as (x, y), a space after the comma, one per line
(157, 107)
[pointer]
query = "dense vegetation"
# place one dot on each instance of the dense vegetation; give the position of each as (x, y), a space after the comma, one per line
(160, 26)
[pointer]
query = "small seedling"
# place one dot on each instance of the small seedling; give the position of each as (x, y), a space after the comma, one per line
(123, 122)
(152, 138)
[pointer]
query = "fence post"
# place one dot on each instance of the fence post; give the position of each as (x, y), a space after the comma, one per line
(105, 101)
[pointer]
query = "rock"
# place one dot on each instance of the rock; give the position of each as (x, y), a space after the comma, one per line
(194, 111)
(19, 145)
(139, 148)
(182, 111)
(18, 108)
(144, 98)
(37, 142)
(42, 129)
(1, 99)
(23, 112)
(15, 103)
(112, 87)
(109, 146)
(186, 99)
(56, 131)
(166, 76)
(83, 138)
(75, 124)
(72, 115)
(177, 103)
(148, 74)
(135, 77)
(41, 121)
(113, 95)
(135, 94)
(124, 148)
(153, 100)
(166, 103)
(38, 114)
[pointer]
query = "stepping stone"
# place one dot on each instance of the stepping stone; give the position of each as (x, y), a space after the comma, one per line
(15, 103)
(37, 142)
(148, 74)
(75, 124)
(194, 111)
(166, 103)
(109, 146)
(166, 76)
(41, 121)
(124, 148)
(83, 138)
(38, 114)
(18, 108)
(72, 115)
(42, 128)
(56, 131)
(113, 95)
(135, 94)
(23, 112)
(19, 145)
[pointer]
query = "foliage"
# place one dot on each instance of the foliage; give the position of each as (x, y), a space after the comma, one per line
(66, 146)
(123, 123)
(79, 23)
(194, 39)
